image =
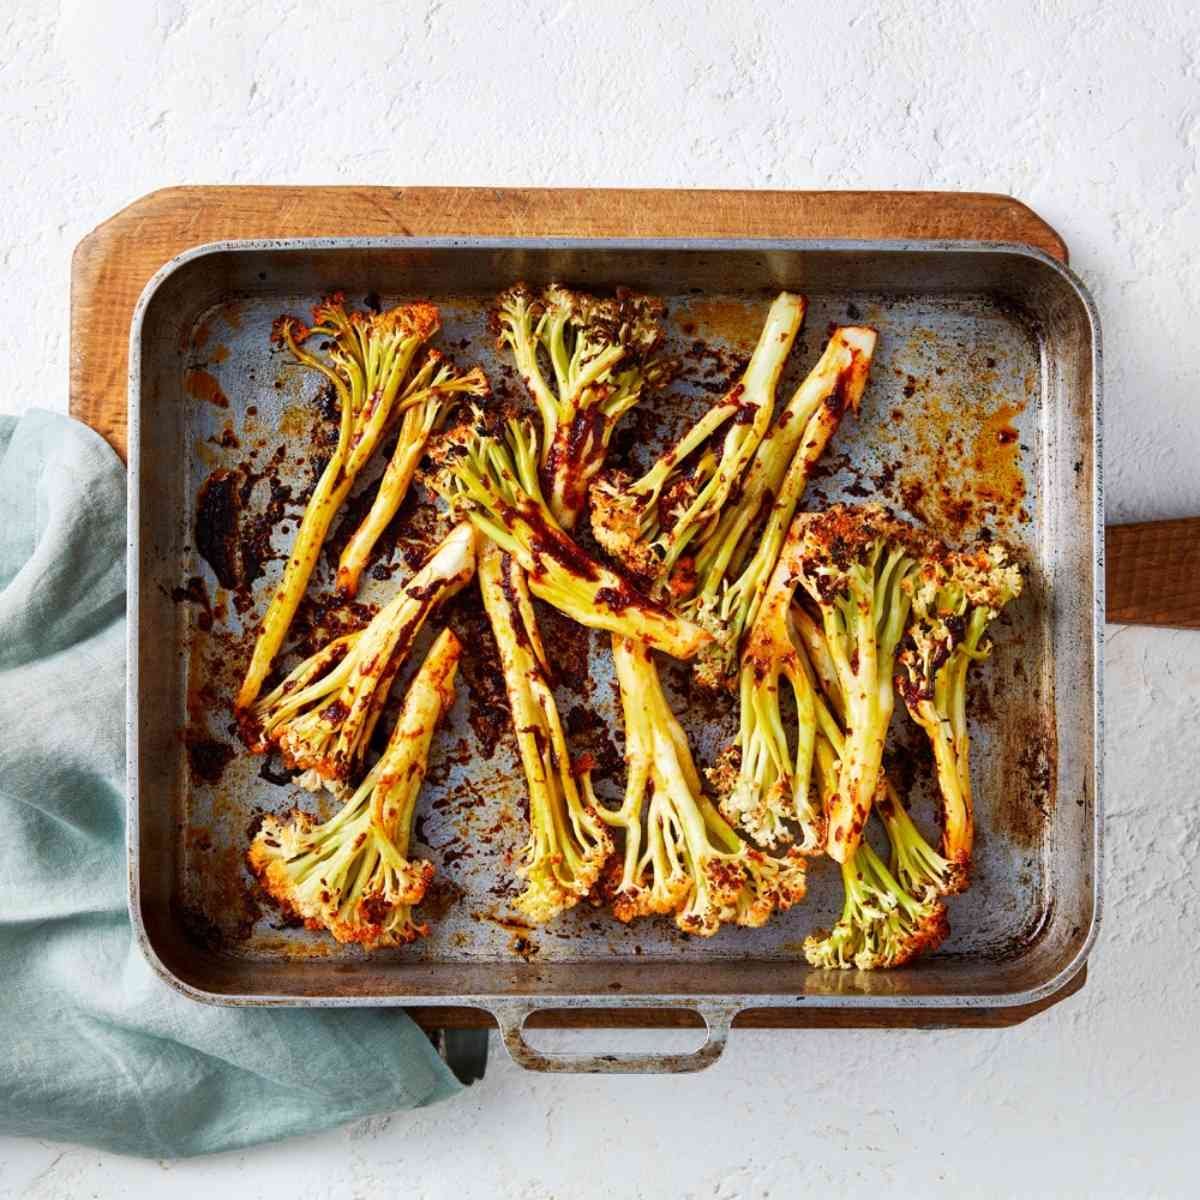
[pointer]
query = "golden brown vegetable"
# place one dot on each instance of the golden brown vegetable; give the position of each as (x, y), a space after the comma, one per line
(586, 361)
(764, 782)
(367, 357)
(568, 843)
(436, 384)
(681, 856)
(487, 473)
(352, 875)
(854, 562)
(627, 516)
(732, 569)
(323, 714)
(954, 598)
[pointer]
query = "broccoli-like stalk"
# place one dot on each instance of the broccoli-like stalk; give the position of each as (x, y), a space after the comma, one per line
(271, 712)
(568, 843)
(914, 862)
(688, 860)
(352, 875)
(367, 358)
(322, 716)
(599, 352)
(882, 924)
(919, 868)
(763, 783)
(425, 398)
(585, 361)
(891, 914)
(488, 473)
(853, 562)
(732, 572)
(627, 516)
(955, 596)
(812, 638)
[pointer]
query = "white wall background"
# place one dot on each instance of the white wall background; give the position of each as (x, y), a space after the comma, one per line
(1088, 111)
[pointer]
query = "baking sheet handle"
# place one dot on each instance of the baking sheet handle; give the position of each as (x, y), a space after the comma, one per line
(511, 1017)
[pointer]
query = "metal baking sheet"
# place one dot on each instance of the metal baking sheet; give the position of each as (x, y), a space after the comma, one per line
(982, 412)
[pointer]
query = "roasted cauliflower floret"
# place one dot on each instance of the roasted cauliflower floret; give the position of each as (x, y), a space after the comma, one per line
(367, 357)
(487, 473)
(322, 716)
(352, 875)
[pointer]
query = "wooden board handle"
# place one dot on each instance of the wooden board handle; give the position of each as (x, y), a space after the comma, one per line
(1152, 573)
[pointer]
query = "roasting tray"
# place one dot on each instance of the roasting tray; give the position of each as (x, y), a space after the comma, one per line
(983, 411)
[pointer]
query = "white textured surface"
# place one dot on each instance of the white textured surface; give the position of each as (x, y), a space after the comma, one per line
(1090, 112)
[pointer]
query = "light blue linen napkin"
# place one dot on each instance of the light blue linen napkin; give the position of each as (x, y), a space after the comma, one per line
(94, 1048)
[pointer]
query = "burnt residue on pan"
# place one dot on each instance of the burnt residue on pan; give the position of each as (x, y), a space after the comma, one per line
(1021, 809)
(568, 647)
(227, 439)
(237, 512)
(443, 894)
(407, 540)
(201, 385)
(207, 756)
(218, 536)
(195, 592)
(522, 942)
(591, 740)
(947, 443)
(481, 673)
(323, 616)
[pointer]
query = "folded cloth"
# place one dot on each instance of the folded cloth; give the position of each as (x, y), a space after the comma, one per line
(94, 1047)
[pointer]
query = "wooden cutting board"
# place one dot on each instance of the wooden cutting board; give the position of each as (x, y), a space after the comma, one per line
(1152, 572)
(112, 265)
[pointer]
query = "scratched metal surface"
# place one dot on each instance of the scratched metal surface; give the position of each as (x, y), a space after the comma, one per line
(957, 373)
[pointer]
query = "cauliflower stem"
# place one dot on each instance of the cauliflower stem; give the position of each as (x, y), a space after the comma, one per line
(488, 474)
(627, 518)
(568, 843)
(681, 856)
(954, 598)
(885, 921)
(891, 913)
(732, 573)
(626, 513)
(426, 398)
(585, 361)
(881, 925)
(367, 358)
(764, 784)
(854, 562)
(352, 875)
(323, 715)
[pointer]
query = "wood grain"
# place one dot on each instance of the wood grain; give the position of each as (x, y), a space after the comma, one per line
(1152, 573)
(112, 264)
